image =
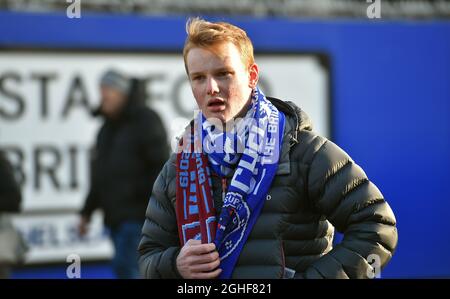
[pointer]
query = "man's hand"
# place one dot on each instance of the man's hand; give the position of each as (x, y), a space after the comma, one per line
(198, 261)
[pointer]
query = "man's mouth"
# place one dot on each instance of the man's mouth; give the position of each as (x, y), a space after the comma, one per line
(216, 102)
(216, 105)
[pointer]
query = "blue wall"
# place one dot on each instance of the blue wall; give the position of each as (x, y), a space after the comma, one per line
(390, 102)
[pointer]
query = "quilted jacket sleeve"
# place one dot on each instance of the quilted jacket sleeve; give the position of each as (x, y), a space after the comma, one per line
(339, 189)
(159, 245)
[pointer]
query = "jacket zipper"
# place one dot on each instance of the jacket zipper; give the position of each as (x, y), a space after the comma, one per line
(283, 262)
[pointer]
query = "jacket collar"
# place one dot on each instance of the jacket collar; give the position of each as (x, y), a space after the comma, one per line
(296, 120)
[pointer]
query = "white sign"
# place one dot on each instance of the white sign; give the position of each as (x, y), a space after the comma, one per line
(47, 130)
(52, 237)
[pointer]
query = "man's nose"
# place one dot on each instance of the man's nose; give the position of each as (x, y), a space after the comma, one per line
(212, 86)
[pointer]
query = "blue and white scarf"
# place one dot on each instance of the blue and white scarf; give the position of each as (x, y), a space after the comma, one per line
(252, 148)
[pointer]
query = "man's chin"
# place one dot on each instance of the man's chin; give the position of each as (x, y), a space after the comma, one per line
(215, 117)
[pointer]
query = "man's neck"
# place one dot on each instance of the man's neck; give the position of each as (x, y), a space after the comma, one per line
(228, 126)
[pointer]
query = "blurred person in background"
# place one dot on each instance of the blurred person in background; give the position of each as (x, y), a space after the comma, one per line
(130, 150)
(10, 199)
(257, 209)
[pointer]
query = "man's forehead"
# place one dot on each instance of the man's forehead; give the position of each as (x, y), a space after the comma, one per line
(209, 59)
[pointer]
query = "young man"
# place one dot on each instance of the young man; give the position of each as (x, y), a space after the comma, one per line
(252, 192)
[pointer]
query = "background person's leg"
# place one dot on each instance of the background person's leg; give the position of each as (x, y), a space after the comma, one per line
(126, 239)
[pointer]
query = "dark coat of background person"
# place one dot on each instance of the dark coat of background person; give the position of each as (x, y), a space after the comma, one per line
(14, 248)
(129, 153)
(10, 195)
(317, 188)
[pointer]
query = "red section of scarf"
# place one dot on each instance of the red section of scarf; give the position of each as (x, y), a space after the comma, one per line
(192, 178)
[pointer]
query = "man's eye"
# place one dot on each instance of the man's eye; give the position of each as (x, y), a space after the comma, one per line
(198, 78)
(223, 74)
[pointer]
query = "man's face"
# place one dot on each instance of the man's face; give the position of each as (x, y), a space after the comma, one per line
(220, 81)
(112, 102)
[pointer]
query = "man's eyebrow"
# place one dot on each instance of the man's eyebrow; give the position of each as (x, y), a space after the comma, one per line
(221, 69)
(195, 74)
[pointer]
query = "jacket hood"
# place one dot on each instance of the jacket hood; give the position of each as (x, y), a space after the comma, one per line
(300, 120)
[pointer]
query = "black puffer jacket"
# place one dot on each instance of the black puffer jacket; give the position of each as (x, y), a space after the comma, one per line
(128, 156)
(317, 188)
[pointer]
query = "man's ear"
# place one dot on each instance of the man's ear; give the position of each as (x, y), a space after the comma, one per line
(253, 75)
